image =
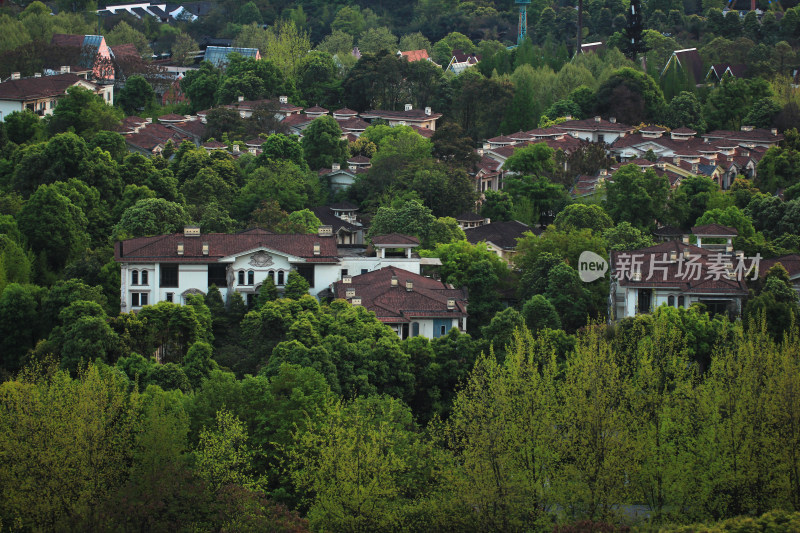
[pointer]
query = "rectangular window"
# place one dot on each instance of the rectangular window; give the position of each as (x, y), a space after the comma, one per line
(139, 299)
(344, 272)
(143, 299)
(241, 277)
(145, 278)
(307, 271)
(134, 299)
(169, 275)
(601, 138)
(364, 270)
(170, 297)
(217, 276)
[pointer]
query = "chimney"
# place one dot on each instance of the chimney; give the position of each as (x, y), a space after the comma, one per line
(283, 99)
(205, 248)
(316, 248)
(685, 239)
(480, 152)
(64, 69)
(597, 119)
(15, 75)
(180, 248)
(325, 231)
(428, 111)
(686, 254)
(409, 107)
(191, 231)
(673, 255)
(236, 148)
(637, 276)
(350, 293)
(395, 281)
(355, 301)
(451, 304)
(347, 280)
(241, 98)
(409, 285)
(352, 168)
(487, 146)
(612, 120)
(336, 166)
(774, 131)
(37, 74)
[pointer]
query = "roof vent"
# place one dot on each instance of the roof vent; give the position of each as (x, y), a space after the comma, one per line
(325, 231)
(428, 111)
(205, 248)
(180, 248)
(487, 146)
(350, 293)
(451, 304)
(353, 168)
(316, 248)
(686, 254)
(729, 249)
(409, 107)
(395, 281)
(480, 152)
(241, 98)
(409, 285)
(283, 99)
(191, 231)
(597, 119)
(673, 255)
(65, 69)
(347, 279)
(685, 239)
(356, 301)
(336, 166)
(612, 120)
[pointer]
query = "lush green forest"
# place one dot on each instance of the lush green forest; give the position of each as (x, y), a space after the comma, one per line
(295, 414)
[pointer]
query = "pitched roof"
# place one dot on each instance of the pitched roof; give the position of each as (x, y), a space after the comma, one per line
(395, 239)
(172, 117)
(428, 297)
(43, 87)
(683, 130)
(125, 50)
(502, 234)
(163, 248)
(715, 230)
(359, 160)
(690, 60)
(352, 124)
(63, 39)
(593, 124)
(668, 231)
(411, 114)
(655, 263)
(326, 216)
(415, 55)
(790, 262)
(345, 111)
(316, 109)
(150, 136)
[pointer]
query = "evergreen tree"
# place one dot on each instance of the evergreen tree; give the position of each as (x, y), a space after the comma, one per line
(296, 286)
(634, 43)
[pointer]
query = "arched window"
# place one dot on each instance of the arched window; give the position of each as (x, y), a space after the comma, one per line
(134, 277)
(271, 275)
(251, 277)
(280, 277)
(144, 278)
(241, 277)
(680, 301)
(671, 301)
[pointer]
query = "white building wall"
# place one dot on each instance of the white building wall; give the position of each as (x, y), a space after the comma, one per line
(7, 107)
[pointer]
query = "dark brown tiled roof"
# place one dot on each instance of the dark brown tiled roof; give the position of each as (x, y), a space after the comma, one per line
(673, 276)
(214, 144)
(297, 120)
(195, 128)
(755, 135)
(684, 131)
(395, 238)
(345, 111)
(163, 248)
(359, 160)
(790, 262)
(152, 135)
(62, 39)
(172, 117)
(668, 231)
(428, 298)
(353, 123)
(413, 114)
(43, 87)
(343, 206)
(316, 109)
(125, 50)
(326, 216)
(502, 234)
(715, 230)
(469, 217)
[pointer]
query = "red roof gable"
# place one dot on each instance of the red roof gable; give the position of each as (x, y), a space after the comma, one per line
(415, 55)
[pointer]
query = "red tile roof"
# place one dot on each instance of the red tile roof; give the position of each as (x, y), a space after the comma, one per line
(172, 117)
(297, 120)
(163, 248)
(428, 298)
(684, 131)
(353, 124)
(359, 160)
(62, 39)
(152, 135)
(415, 55)
(125, 51)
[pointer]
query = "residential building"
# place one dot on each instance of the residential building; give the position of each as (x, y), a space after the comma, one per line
(595, 129)
(218, 55)
(411, 304)
(421, 118)
(93, 53)
(500, 237)
(678, 274)
(41, 94)
(688, 62)
(461, 61)
(171, 267)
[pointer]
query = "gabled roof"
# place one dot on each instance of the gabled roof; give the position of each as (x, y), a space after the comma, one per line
(316, 109)
(394, 239)
(359, 160)
(790, 262)
(163, 248)
(411, 114)
(501, 234)
(150, 136)
(352, 124)
(593, 124)
(469, 216)
(690, 60)
(326, 216)
(427, 299)
(668, 231)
